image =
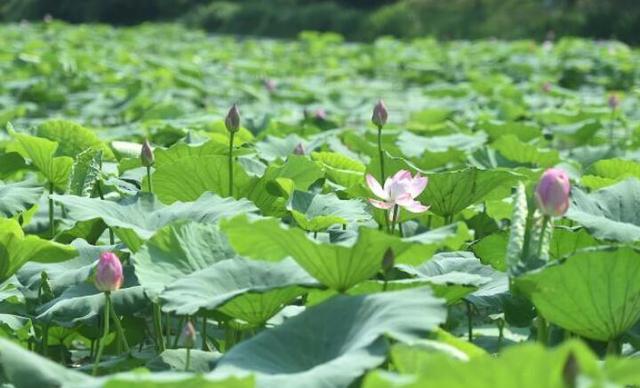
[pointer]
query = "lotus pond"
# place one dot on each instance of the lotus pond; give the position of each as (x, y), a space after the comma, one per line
(185, 210)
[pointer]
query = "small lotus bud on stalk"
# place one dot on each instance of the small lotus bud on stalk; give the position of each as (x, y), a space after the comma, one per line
(109, 272)
(232, 121)
(546, 87)
(188, 338)
(299, 150)
(379, 118)
(380, 114)
(270, 85)
(320, 114)
(109, 278)
(146, 154)
(552, 192)
(614, 101)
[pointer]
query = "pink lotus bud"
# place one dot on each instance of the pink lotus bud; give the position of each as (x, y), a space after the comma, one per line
(146, 154)
(188, 336)
(270, 85)
(232, 121)
(299, 150)
(320, 114)
(379, 117)
(546, 87)
(614, 101)
(552, 193)
(109, 272)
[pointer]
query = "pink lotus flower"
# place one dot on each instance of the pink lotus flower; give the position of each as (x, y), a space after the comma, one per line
(109, 272)
(188, 335)
(552, 193)
(401, 190)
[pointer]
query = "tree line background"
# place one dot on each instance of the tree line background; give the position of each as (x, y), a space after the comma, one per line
(358, 19)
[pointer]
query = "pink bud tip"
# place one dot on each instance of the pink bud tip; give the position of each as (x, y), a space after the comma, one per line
(552, 193)
(188, 335)
(109, 275)
(380, 114)
(146, 154)
(232, 121)
(614, 101)
(299, 150)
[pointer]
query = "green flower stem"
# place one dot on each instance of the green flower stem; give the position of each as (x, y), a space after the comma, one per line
(157, 324)
(52, 229)
(167, 328)
(543, 333)
(45, 339)
(204, 333)
(231, 136)
(469, 321)
(116, 323)
(394, 218)
(186, 365)
(104, 333)
(381, 153)
(542, 329)
(149, 185)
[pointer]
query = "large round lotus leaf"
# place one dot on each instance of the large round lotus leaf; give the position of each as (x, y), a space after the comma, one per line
(143, 214)
(333, 343)
(612, 213)
(595, 294)
(250, 290)
(176, 251)
(18, 197)
(16, 249)
(518, 366)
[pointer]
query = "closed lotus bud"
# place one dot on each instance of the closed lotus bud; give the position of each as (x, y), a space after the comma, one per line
(614, 101)
(552, 193)
(146, 154)
(388, 260)
(270, 85)
(546, 87)
(320, 114)
(232, 121)
(109, 272)
(188, 336)
(299, 150)
(379, 117)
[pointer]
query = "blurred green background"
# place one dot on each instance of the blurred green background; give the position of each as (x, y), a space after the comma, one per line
(358, 20)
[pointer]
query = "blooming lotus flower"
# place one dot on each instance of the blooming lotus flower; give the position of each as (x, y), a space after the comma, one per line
(109, 272)
(552, 193)
(400, 190)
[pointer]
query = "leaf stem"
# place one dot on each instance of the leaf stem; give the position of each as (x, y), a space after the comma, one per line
(52, 230)
(231, 136)
(542, 329)
(157, 323)
(469, 321)
(104, 333)
(204, 333)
